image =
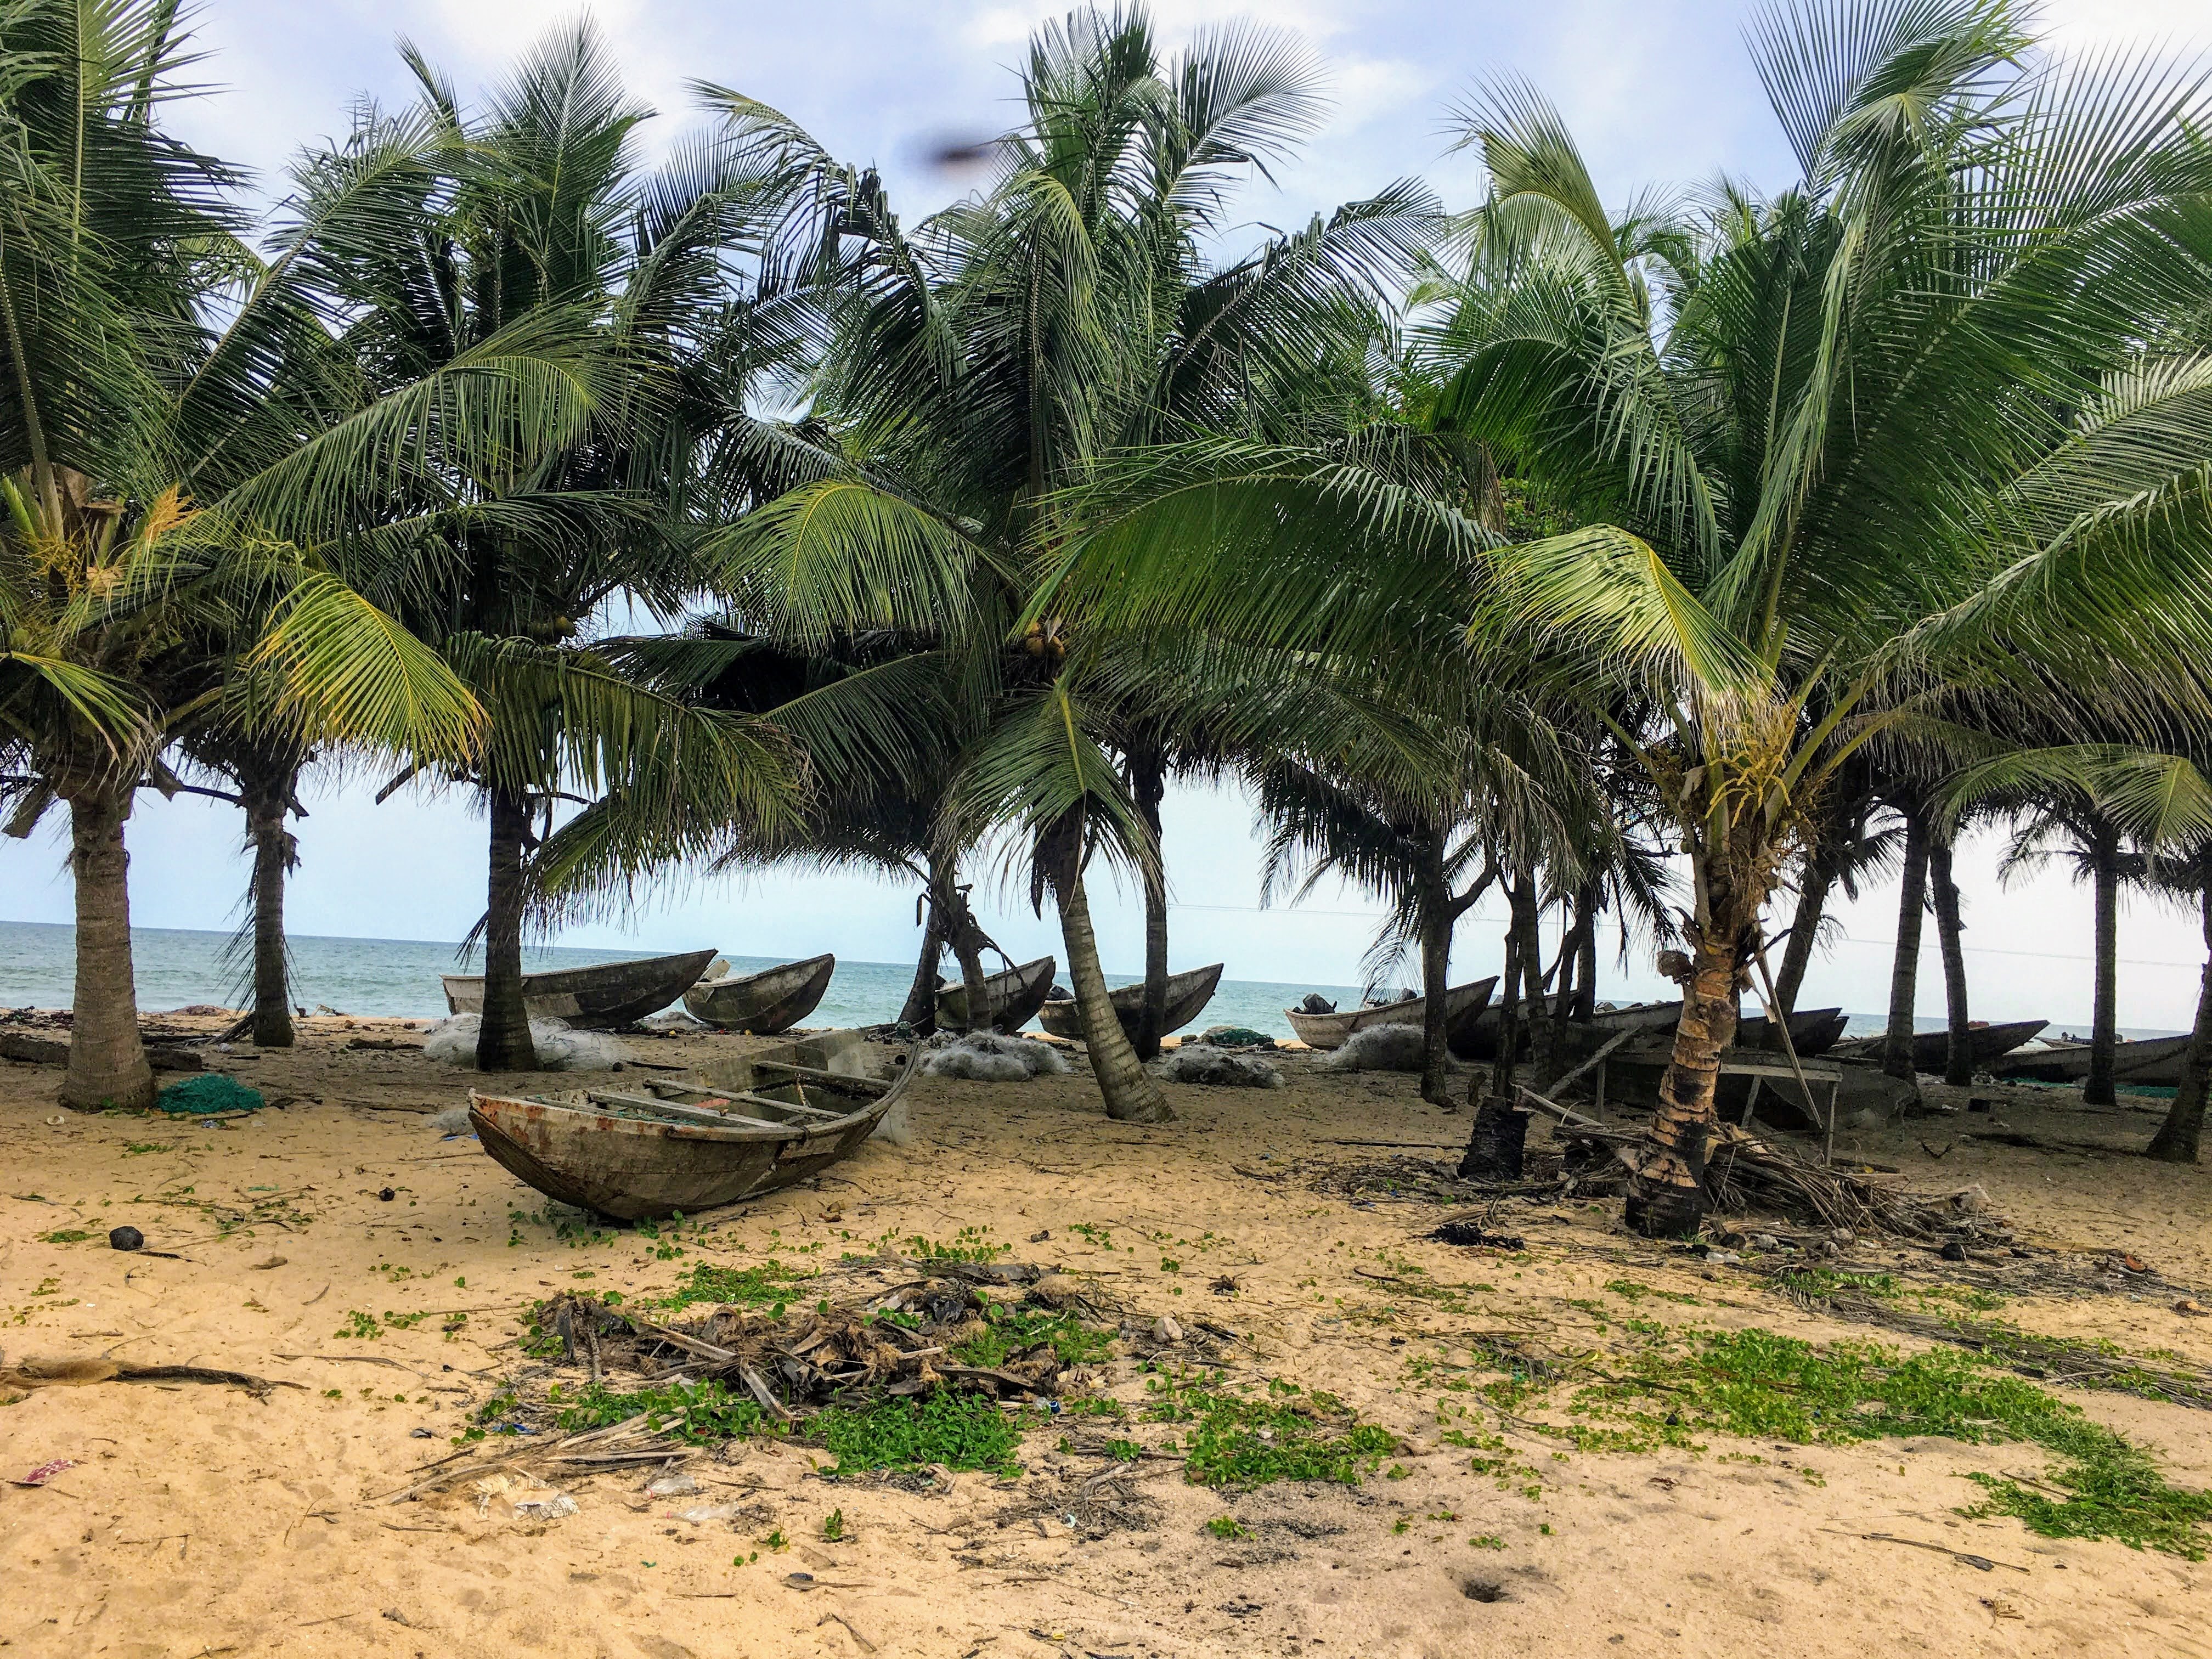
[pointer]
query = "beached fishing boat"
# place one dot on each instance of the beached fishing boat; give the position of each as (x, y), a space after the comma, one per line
(1812, 1030)
(594, 998)
(1477, 1039)
(741, 1127)
(1015, 993)
(2155, 1061)
(1931, 1050)
(774, 1000)
(1188, 995)
(1462, 1004)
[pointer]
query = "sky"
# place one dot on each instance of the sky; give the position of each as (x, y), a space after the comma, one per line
(1658, 91)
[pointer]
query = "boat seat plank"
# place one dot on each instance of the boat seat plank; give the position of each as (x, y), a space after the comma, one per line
(698, 1113)
(789, 1106)
(857, 1085)
(796, 1106)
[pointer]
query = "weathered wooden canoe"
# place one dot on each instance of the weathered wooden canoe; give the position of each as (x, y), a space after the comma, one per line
(595, 997)
(1188, 995)
(1812, 1030)
(2066, 1059)
(1931, 1050)
(742, 1126)
(1016, 994)
(774, 1000)
(1477, 1039)
(1464, 1004)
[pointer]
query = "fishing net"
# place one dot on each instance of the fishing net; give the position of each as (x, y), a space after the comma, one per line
(987, 1057)
(1202, 1063)
(560, 1048)
(209, 1093)
(1236, 1036)
(1380, 1049)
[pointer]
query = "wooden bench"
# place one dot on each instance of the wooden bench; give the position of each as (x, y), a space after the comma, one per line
(1765, 1069)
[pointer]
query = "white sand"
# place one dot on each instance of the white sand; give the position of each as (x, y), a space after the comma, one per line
(200, 1521)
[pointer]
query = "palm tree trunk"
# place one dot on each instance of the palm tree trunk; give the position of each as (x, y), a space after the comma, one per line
(275, 854)
(1666, 1193)
(1586, 958)
(920, 1011)
(1814, 884)
(2176, 1141)
(1568, 991)
(1149, 774)
(1959, 1059)
(2103, 1036)
(1130, 1096)
(1529, 925)
(503, 1043)
(1509, 1025)
(1905, 968)
(1436, 926)
(106, 1061)
(967, 940)
(1495, 1139)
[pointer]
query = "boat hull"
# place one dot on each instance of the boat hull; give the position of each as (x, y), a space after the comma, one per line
(1812, 1030)
(774, 1000)
(1931, 1050)
(1463, 1004)
(2155, 1061)
(1016, 994)
(1188, 995)
(643, 1168)
(1477, 1039)
(596, 997)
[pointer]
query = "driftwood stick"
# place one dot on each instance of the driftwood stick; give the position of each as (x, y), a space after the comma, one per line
(1567, 1114)
(1559, 1084)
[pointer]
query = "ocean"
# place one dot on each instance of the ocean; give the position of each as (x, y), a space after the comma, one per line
(398, 978)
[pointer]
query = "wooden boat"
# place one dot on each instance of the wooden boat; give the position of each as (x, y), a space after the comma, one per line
(1477, 1039)
(743, 1126)
(1812, 1030)
(1015, 993)
(1931, 1050)
(1462, 1004)
(774, 1000)
(1188, 995)
(594, 998)
(2155, 1061)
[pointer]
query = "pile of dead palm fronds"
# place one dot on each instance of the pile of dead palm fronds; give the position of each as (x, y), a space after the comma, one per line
(1744, 1172)
(795, 1360)
(842, 1337)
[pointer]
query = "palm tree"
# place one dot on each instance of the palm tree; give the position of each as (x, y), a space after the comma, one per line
(2159, 798)
(655, 302)
(982, 364)
(262, 768)
(1879, 433)
(116, 249)
(2065, 823)
(1432, 861)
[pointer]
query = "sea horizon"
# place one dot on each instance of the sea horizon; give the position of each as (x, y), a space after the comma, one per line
(398, 979)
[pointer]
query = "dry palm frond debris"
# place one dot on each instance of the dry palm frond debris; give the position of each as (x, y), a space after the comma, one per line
(1745, 1172)
(2065, 1361)
(741, 1354)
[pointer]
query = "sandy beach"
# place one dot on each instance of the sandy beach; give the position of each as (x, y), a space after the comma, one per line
(200, 1520)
